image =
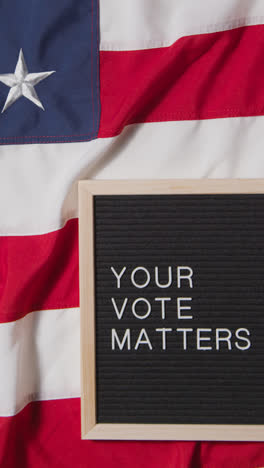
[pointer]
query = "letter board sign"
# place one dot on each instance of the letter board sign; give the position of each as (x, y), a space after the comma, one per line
(172, 309)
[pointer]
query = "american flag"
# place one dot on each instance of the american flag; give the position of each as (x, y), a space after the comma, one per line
(106, 89)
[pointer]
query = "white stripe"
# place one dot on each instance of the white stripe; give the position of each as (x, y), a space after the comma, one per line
(36, 184)
(43, 191)
(143, 24)
(40, 359)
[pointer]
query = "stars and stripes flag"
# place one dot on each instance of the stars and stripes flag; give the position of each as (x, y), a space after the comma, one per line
(111, 89)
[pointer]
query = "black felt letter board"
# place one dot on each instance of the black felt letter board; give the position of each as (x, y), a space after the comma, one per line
(212, 372)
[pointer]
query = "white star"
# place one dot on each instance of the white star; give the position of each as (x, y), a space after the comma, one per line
(22, 83)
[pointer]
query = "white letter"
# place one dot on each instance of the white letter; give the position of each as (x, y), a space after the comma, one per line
(126, 337)
(119, 314)
(163, 300)
(118, 276)
(188, 276)
(133, 277)
(243, 348)
(141, 317)
(184, 330)
(180, 307)
(223, 338)
(199, 338)
(145, 341)
(168, 284)
(163, 331)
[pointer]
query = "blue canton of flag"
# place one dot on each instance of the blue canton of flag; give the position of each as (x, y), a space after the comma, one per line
(49, 78)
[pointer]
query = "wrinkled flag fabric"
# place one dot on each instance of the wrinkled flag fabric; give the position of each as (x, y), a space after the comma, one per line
(107, 89)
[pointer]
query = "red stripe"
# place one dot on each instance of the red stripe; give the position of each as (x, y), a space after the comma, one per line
(47, 434)
(39, 272)
(199, 77)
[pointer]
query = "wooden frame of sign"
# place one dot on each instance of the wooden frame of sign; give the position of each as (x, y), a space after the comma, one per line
(90, 429)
